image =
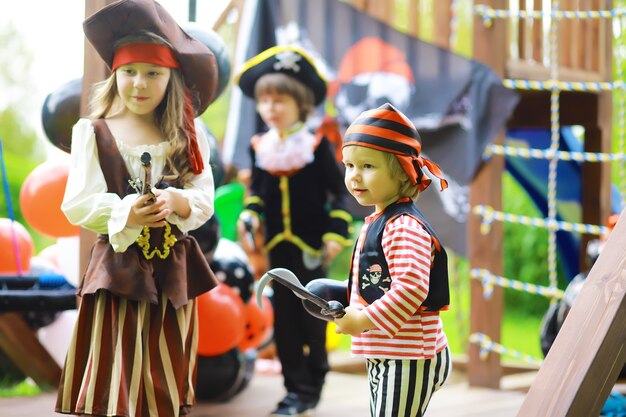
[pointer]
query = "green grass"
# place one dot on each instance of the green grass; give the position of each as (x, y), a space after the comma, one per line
(25, 388)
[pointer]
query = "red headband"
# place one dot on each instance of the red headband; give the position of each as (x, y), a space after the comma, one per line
(150, 53)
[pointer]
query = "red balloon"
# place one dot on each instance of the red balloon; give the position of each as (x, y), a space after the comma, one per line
(10, 232)
(259, 323)
(221, 320)
(41, 196)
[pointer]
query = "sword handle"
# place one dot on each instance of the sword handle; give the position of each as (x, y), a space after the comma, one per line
(335, 309)
(146, 163)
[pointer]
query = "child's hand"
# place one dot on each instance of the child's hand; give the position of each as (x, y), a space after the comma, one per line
(332, 249)
(354, 322)
(174, 202)
(145, 212)
(248, 230)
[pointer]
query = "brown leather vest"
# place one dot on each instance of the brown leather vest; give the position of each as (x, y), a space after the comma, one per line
(183, 275)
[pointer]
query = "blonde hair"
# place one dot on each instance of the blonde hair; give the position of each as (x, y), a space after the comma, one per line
(397, 172)
(279, 83)
(169, 114)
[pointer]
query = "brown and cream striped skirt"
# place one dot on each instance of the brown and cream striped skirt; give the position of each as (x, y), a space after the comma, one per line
(130, 358)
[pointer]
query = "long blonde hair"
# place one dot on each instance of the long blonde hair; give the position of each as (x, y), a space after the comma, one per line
(169, 114)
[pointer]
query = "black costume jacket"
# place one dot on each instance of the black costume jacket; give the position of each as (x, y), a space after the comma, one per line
(305, 207)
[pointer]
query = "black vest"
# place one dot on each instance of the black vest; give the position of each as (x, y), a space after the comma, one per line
(373, 277)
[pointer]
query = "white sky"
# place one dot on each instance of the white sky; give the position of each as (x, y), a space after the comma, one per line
(52, 31)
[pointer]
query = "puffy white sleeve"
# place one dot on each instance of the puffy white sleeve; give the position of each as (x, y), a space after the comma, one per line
(200, 193)
(86, 201)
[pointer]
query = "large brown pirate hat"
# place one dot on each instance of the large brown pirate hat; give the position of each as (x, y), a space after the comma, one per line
(108, 25)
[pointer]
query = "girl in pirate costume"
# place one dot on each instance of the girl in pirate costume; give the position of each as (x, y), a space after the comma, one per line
(133, 351)
(399, 277)
(296, 189)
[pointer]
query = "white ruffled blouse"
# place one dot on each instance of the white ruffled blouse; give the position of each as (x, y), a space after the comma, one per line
(292, 152)
(88, 204)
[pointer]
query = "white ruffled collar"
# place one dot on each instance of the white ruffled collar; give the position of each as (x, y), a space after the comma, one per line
(292, 152)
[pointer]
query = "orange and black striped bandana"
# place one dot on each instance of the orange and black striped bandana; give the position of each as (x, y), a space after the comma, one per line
(386, 129)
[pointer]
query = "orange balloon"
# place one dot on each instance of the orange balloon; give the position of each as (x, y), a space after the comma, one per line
(41, 196)
(10, 232)
(221, 320)
(259, 323)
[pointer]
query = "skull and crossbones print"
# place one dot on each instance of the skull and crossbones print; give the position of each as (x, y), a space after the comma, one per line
(374, 277)
(287, 60)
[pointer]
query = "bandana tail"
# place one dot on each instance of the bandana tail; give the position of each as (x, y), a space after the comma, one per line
(432, 169)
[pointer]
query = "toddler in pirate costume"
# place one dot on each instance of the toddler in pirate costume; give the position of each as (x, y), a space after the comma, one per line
(296, 189)
(399, 277)
(134, 348)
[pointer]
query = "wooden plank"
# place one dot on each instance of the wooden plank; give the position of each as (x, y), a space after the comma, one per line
(381, 10)
(591, 193)
(94, 70)
(19, 342)
(230, 8)
(521, 34)
(413, 10)
(360, 5)
(589, 350)
(517, 69)
(538, 35)
(596, 178)
(442, 13)
(485, 251)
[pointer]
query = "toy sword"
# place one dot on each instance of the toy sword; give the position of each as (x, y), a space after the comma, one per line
(332, 309)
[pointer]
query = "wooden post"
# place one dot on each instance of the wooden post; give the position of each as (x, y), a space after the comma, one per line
(94, 70)
(485, 251)
(589, 350)
(596, 177)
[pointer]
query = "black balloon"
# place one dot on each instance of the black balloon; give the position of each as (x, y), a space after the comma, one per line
(216, 44)
(221, 377)
(208, 236)
(60, 111)
(217, 166)
(236, 274)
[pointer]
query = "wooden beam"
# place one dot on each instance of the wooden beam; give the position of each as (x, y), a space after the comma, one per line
(589, 350)
(19, 342)
(94, 70)
(485, 251)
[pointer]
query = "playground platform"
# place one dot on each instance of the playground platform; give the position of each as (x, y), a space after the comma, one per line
(345, 394)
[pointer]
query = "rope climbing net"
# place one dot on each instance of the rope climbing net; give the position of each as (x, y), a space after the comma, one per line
(552, 154)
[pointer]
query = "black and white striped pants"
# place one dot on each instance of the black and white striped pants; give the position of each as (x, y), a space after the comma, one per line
(403, 387)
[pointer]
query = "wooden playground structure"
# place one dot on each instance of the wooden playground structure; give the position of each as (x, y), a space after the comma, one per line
(582, 367)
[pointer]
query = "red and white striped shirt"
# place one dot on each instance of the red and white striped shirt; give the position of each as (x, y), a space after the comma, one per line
(402, 331)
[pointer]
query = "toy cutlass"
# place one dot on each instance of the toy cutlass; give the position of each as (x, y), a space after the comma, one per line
(328, 309)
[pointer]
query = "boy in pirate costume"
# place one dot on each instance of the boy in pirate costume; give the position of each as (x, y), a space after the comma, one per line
(399, 277)
(296, 189)
(140, 177)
